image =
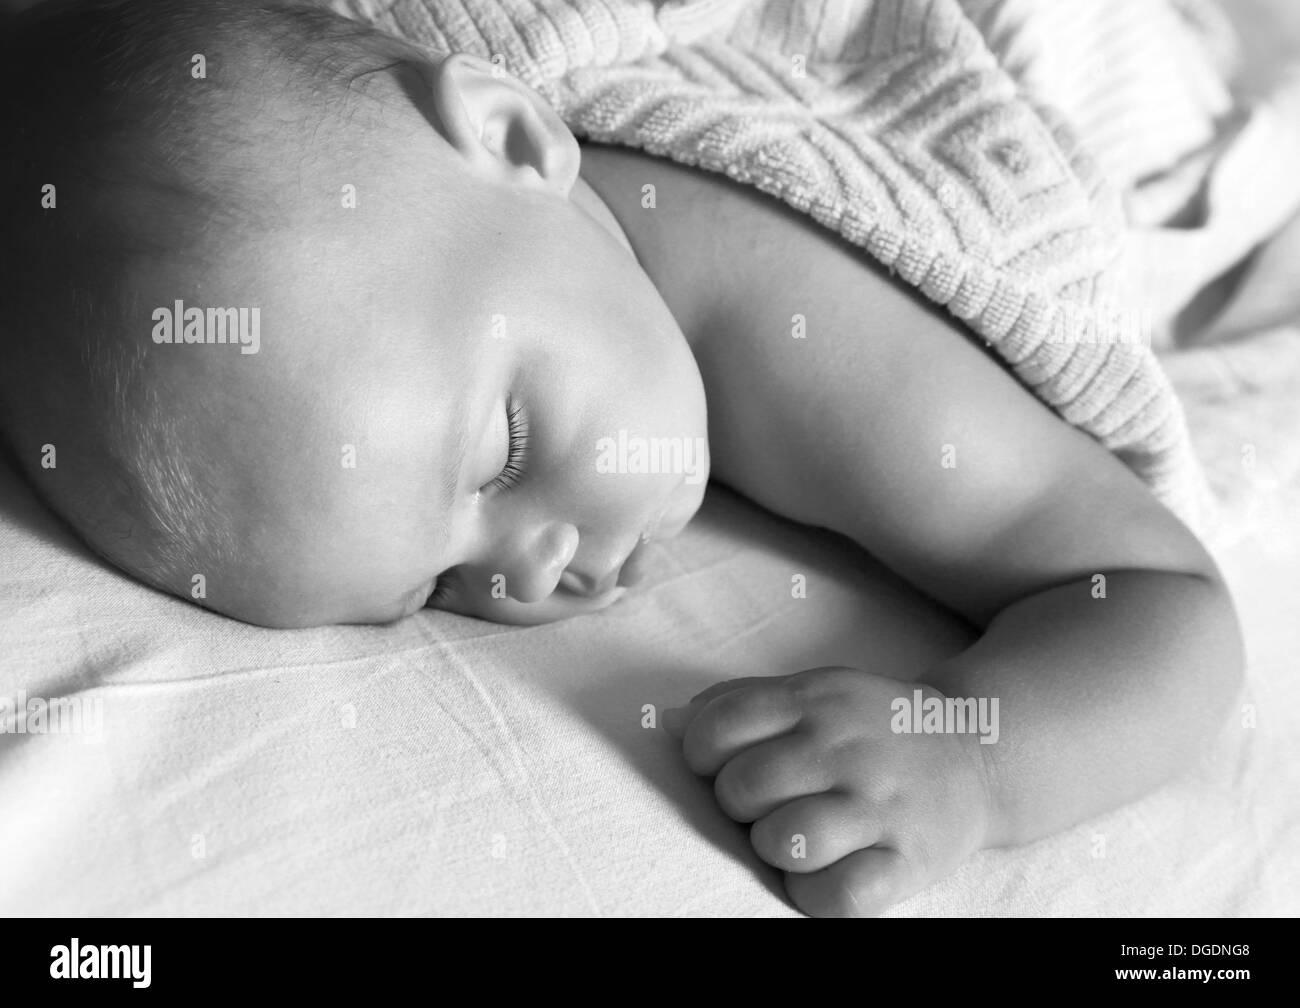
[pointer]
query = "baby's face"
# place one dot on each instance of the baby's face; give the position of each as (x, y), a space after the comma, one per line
(451, 384)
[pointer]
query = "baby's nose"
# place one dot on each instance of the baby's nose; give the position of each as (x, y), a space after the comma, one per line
(616, 571)
(539, 563)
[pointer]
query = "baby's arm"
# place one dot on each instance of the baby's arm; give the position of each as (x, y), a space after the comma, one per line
(887, 423)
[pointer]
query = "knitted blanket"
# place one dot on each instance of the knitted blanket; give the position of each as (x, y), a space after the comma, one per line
(950, 139)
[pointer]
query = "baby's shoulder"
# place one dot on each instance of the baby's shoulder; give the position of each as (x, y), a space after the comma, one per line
(730, 259)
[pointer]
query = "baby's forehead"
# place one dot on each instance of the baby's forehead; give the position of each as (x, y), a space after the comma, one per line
(331, 391)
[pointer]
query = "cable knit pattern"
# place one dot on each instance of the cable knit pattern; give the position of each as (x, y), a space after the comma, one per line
(929, 132)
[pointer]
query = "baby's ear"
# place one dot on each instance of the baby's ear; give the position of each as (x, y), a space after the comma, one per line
(501, 125)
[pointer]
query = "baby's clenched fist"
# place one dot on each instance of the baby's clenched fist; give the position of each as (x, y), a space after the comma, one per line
(856, 814)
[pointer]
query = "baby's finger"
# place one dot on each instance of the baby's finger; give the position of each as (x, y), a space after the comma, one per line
(727, 685)
(677, 719)
(864, 883)
(734, 721)
(766, 776)
(814, 832)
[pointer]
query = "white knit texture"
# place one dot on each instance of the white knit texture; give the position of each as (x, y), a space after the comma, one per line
(932, 133)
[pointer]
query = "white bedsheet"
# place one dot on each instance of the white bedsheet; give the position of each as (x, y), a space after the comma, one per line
(446, 766)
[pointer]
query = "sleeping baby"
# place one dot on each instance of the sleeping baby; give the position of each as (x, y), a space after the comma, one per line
(311, 327)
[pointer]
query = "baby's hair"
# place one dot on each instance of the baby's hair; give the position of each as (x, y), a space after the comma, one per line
(143, 127)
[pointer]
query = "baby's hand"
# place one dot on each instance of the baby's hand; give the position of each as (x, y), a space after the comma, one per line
(857, 816)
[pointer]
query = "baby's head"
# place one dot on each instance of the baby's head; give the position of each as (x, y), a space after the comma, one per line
(460, 368)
